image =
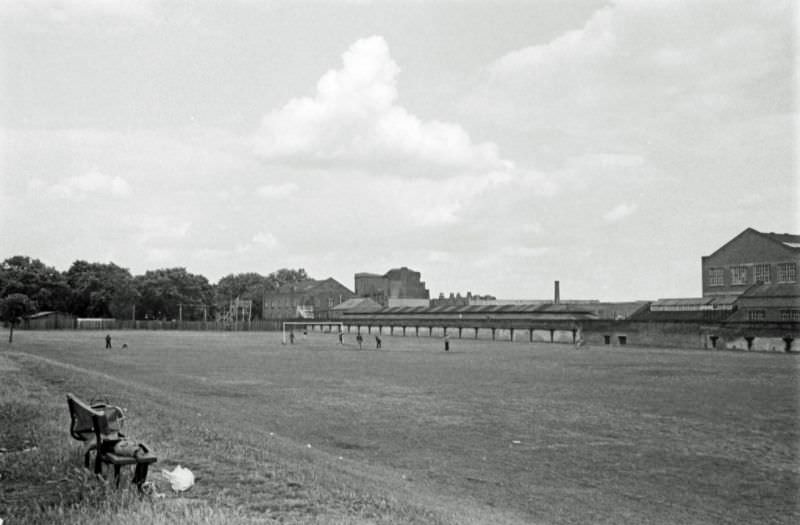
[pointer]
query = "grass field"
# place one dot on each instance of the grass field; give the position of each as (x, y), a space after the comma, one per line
(487, 433)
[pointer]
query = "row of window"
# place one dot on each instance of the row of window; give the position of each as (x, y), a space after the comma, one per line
(761, 315)
(761, 273)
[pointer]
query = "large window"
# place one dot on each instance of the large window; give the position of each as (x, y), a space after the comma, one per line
(790, 315)
(787, 273)
(739, 275)
(756, 315)
(761, 273)
(716, 277)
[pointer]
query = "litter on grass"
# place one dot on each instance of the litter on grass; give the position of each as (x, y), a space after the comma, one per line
(180, 478)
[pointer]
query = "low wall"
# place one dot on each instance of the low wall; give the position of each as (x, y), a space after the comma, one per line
(762, 337)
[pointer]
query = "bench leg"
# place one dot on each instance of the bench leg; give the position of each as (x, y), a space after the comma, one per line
(140, 474)
(116, 474)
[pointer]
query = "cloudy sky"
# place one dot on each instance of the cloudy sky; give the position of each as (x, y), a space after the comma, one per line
(494, 146)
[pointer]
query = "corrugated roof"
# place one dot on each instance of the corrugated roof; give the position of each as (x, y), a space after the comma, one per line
(684, 301)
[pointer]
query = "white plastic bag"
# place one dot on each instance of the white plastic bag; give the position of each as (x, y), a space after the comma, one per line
(180, 478)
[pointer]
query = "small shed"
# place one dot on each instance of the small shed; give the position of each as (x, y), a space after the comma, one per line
(49, 321)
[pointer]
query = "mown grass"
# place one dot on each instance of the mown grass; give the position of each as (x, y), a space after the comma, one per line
(489, 433)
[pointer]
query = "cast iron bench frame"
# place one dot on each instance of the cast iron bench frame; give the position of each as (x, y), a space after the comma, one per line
(89, 425)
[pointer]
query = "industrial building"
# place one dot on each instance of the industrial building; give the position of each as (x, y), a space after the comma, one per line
(397, 287)
(308, 299)
(750, 258)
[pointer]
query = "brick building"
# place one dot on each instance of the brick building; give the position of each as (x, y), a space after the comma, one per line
(308, 299)
(396, 284)
(750, 258)
(769, 302)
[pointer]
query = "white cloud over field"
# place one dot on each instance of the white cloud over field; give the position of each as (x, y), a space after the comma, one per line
(92, 184)
(354, 119)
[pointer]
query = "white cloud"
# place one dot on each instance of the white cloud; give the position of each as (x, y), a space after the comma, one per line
(640, 75)
(354, 119)
(63, 11)
(89, 184)
(267, 240)
(277, 191)
(620, 212)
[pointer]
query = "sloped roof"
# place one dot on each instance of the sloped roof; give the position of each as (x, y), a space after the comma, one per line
(773, 290)
(684, 301)
(40, 314)
(298, 286)
(306, 285)
(358, 304)
(786, 240)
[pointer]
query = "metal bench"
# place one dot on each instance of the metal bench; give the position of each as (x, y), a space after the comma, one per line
(91, 426)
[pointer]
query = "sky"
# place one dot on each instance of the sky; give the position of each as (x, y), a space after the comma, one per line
(494, 146)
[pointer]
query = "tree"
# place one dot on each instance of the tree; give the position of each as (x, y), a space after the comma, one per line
(285, 275)
(43, 284)
(100, 290)
(253, 286)
(12, 308)
(248, 286)
(162, 292)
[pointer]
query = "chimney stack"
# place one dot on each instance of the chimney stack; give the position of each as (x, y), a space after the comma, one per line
(557, 299)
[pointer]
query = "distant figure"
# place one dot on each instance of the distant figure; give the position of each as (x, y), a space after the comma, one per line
(341, 338)
(124, 345)
(291, 338)
(108, 340)
(377, 342)
(446, 343)
(359, 340)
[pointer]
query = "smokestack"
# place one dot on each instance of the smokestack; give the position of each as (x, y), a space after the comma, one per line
(557, 299)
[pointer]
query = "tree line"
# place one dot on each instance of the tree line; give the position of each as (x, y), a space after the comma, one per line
(91, 289)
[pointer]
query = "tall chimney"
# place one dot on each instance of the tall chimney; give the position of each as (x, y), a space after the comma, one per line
(557, 299)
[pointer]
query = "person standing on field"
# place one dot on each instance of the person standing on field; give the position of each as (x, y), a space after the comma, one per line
(377, 342)
(341, 337)
(446, 343)
(359, 340)
(108, 340)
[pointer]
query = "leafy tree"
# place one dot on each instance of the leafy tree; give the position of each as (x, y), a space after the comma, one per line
(248, 286)
(12, 308)
(161, 292)
(43, 284)
(285, 275)
(100, 290)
